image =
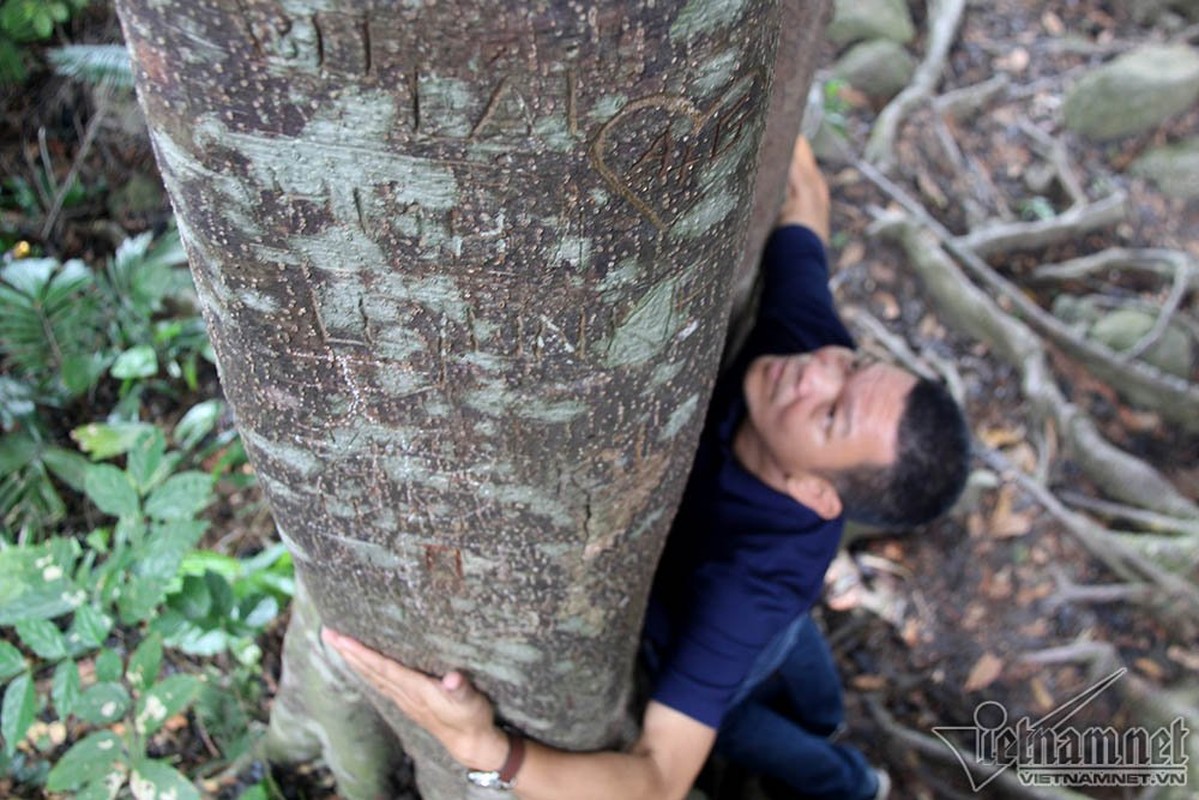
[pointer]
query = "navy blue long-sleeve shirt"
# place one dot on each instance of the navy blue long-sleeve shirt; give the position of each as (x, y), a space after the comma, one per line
(743, 560)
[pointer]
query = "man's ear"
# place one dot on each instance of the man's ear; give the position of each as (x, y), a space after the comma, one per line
(816, 493)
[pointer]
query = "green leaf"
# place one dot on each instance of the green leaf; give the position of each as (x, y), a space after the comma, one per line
(90, 628)
(82, 371)
(167, 545)
(145, 460)
(11, 661)
(108, 666)
(33, 582)
(107, 788)
(68, 466)
(91, 759)
(197, 423)
(111, 490)
(193, 599)
(65, 689)
(105, 441)
(257, 612)
(43, 637)
(136, 362)
(16, 713)
(222, 595)
(155, 779)
(182, 496)
(145, 662)
(140, 598)
(103, 703)
(255, 792)
(164, 700)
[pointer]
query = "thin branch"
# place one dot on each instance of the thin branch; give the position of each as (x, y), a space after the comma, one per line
(1148, 520)
(1054, 150)
(1182, 280)
(944, 17)
(93, 127)
(1158, 261)
(1009, 236)
(1174, 397)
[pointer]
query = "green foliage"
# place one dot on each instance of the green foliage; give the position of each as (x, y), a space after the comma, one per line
(63, 599)
(23, 21)
(94, 64)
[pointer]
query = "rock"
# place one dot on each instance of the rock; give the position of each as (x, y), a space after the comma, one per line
(1134, 93)
(879, 69)
(1123, 328)
(1175, 168)
(1147, 11)
(855, 20)
(1077, 312)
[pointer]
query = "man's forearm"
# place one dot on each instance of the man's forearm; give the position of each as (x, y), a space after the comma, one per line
(662, 765)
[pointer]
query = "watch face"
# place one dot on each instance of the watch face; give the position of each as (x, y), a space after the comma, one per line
(488, 780)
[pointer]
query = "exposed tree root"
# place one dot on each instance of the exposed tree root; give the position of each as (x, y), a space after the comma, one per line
(944, 17)
(929, 747)
(1010, 236)
(1166, 263)
(1146, 520)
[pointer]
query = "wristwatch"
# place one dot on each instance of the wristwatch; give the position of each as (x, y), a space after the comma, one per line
(505, 777)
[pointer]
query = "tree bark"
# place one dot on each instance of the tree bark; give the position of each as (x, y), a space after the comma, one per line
(466, 270)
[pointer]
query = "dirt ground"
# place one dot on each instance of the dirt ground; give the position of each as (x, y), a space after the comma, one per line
(928, 625)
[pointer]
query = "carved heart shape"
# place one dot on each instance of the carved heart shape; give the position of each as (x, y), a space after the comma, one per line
(660, 182)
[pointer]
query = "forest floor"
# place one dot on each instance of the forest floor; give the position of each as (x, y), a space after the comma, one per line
(927, 626)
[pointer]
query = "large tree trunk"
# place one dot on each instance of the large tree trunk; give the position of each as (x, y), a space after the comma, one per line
(466, 269)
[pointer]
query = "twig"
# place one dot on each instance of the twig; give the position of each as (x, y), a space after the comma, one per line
(1174, 397)
(969, 99)
(1182, 280)
(944, 18)
(1166, 263)
(1120, 558)
(1148, 520)
(926, 745)
(895, 345)
(1031, 235)
(1070, 592)
(93, 126)
(1054, 150)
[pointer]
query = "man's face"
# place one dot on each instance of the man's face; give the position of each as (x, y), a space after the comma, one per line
(827, 410)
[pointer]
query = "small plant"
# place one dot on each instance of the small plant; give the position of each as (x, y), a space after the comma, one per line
(64, 598)
(23, 21)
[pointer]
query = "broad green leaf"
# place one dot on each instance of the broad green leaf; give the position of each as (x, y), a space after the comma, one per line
(197, 423)
(16, 713)
(166, 546)
(91, 759)
(11, 661)
(108, 666)
(140, 598)
(68, 466)
(90, 628)
(103, 441)
(112, 490)
(257, 612)
(136, 362)
(43, 637)
(222, 595)
(81, 371)
(155, 780)
(193, 600)
(34, 582)
(145, 662)
(181, 496)
(164, 700)
(145, 460)
(102, 703)
(65, 689)
(255, 792)
(106, 788)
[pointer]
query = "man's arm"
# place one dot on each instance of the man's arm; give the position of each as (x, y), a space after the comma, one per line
(661, 765)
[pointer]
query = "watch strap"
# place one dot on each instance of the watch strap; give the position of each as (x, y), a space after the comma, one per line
(516, 757)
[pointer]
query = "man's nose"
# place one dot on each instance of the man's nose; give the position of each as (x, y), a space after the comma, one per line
(824, 374)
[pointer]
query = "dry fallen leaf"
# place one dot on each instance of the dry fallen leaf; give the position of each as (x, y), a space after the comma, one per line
(984, 672)
(1041, 695)
(853, 253)
(868, 683)
(887, 305)
(1053, 24)
(1150, 668)
(1188, 658)
(998, 438)
(1005, 523)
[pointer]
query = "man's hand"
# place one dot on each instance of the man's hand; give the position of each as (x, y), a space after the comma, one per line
(807, 200)
(451, 709)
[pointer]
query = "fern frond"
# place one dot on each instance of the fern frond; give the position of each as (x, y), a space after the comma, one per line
(98, 65)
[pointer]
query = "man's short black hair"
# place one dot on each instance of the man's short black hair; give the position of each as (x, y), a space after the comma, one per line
(931, 465)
